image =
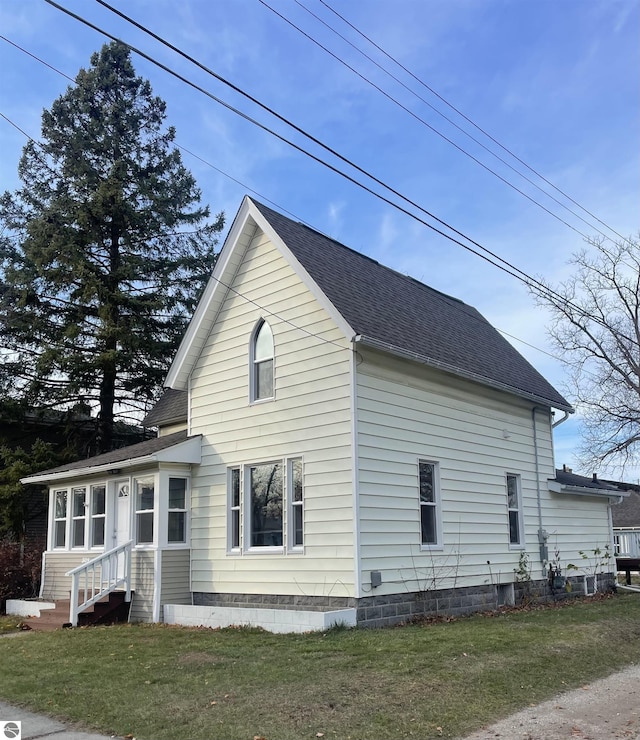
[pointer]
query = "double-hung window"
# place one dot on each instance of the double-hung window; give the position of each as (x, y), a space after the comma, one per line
(429, 504)
(514, 508)
(98, 510)
(60, 519)
(295, 536)
(233, 484)
(144, 502)
(265, 505)
(78, 516)
(177, 514)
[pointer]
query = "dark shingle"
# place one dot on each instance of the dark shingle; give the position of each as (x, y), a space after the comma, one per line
(171, 408)
(142, 449)
(399, 311)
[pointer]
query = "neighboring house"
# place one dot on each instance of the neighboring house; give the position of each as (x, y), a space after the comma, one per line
(335, 436)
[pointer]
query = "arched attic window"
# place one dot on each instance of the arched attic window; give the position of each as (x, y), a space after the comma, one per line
(261, 369)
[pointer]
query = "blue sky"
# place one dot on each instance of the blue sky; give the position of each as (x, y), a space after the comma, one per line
(557, 82)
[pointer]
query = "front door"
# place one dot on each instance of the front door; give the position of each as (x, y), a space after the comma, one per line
(122, 532)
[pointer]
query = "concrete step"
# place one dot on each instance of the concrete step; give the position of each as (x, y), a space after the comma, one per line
(110, 610)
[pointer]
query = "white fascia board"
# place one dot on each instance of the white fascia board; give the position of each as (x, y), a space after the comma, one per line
(204, 315)
(556, 487)
(189, 451)
(310, 283)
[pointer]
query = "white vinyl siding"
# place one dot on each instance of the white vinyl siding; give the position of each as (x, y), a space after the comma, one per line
(407, 411)
(309, 417)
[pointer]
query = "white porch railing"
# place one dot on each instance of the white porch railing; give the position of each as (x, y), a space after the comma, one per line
(105, 573)
(627, 542)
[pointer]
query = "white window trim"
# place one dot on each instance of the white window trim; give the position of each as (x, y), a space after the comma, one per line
(253, 399)
(53, 520)
(84, 546)
(520, 545)
(437, 505)
(156, 531)
(92, 517)
(165, 544)
(245, 547)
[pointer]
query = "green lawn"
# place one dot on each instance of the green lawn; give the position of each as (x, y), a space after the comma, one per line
(422, 681)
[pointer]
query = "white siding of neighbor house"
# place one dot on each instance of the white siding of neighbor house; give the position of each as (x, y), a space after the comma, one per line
(408, 412)
(309, 418)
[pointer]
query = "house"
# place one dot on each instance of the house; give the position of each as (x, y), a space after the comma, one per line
(337, 442)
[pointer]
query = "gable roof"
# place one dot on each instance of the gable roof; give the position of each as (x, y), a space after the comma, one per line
(170, 408)
(376, 306)
(571, 483)
(175, 447)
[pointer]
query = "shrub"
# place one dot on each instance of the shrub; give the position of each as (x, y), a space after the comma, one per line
(19, 571)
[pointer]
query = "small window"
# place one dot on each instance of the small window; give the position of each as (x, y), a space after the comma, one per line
(428, 503)
(145, 500)
(177, 516)
(98, 501)
(262, 363)
(296, 511)
(60, 519)
(78, 517)
(514, 507)
(265, 492)
(234, 508)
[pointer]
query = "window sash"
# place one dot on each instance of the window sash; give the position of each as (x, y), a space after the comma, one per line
(265, 505)
(78, 517)
(145, 507)
(514, 509)
(60, 518)
(295, 496)
(429, 504)
(177, 511)
(234, 509)
(98, 515)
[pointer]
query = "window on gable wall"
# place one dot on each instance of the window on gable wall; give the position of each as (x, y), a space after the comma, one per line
(261, 370)
(514, 507)
(271, 495)
(429, 504)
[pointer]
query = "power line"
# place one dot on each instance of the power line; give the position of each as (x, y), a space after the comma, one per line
(509, 269)
(470, 121)
(436, 131)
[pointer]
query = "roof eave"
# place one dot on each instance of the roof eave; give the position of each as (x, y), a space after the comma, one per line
(188, 451)
(467, 375)
(556, 487)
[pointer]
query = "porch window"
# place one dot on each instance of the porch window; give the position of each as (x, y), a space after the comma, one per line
(60, 519)
(514, 507)
(429, 504)
(261, 370)
(177, 516)
(145, 502)
(98, 501)
(78, 516)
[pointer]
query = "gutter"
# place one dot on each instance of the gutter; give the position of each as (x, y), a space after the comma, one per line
(556, 487)
(466, 374)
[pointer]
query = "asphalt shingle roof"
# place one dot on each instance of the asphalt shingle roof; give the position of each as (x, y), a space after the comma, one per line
(142, 449)
(170, 407)
(403, 313)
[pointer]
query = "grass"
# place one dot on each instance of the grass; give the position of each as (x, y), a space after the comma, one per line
(423, 681)
(9, 623)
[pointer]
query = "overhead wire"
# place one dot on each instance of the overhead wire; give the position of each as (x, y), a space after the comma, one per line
(510, 269)
(469, 120)
(439, 133)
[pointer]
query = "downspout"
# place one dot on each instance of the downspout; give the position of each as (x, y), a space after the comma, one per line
(543, 535)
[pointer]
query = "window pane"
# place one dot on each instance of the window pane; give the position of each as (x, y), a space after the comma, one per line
(78, 502)
(428, 524)
(264, 379)
(60, 533)
(264, 344)
(144, 498)
(298, 539)
(427, 493)
(235, 487)
(61, 505)
(512, 491)
(296, 483)
(266, 505)
(176, 531)
(97, 534)
(98, 500)
(235, 528)
(144, 527)
(78, 532)
(514, 531)
(177, 493)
